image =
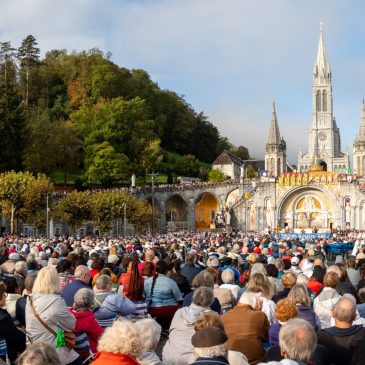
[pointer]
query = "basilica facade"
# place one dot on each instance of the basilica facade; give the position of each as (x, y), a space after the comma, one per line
(322, 193)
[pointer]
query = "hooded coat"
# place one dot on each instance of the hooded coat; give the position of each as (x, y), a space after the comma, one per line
(178, 349)
(323, 305)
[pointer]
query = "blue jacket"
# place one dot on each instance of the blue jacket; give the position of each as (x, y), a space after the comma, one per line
(165, 292)
(190, 271)
(70, 290)
(111, 305)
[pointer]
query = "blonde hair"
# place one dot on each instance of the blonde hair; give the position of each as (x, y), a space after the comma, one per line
(299, 294)
(259, 283)
(150, 332)
(122, 337)
(47, 281)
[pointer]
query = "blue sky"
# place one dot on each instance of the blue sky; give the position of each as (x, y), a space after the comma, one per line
(229, 58)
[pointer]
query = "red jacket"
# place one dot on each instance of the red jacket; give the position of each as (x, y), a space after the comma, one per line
(108, 358)
(315, 286)
(86, 322)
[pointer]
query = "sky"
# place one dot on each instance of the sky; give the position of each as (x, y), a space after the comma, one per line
(228, 58)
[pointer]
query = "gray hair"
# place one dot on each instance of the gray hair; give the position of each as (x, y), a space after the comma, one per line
(213, 351)
(84, 298)
(345, 310)
(248, 299)
(299, 295)
(203, 297)
(150, 332)
(302, 279)
(81, 270)
(102, 282)
(227, 276)
(204, 278)
(258, 268)
(279, 264)
(39, 353)
(21, 267)
(297, 339)
(335, 269)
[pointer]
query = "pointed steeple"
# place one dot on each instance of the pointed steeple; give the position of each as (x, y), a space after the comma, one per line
(361, 135)
(321, 67)
(274, 134)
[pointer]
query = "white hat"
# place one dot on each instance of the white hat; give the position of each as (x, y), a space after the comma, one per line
(14, 256)
(295, 261)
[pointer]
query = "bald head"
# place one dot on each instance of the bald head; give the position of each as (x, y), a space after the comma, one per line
(318, 262)
(345, 311)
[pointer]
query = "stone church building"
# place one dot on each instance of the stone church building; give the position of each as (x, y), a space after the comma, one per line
(323, 193)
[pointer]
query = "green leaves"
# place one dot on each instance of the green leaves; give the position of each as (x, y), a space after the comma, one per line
(216, 175)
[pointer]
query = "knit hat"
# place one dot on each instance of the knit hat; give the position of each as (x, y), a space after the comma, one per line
(209, 337)
(257, 250)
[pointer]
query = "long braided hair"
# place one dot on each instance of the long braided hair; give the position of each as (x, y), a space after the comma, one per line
(161, 268)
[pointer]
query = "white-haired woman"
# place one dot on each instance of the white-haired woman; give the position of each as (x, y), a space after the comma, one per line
(39, 354)
(150, 332)
(120, 344)
(51, 310)
(228, 282)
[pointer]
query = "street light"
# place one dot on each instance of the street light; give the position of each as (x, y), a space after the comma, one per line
(47, 216)
(153, 175)
(125, 220)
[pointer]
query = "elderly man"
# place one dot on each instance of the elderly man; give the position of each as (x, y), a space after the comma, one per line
(247, 328)
(82, 279)
(189, 269)
(345, 341)
(210, 346)
(297, 343)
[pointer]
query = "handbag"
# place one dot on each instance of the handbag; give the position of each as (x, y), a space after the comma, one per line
(63, 338)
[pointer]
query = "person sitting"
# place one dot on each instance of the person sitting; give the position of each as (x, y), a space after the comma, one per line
(120, 344)
(345, 341)
(297, 343)
(353, 275)
(10, 336)
(210, 346)
(148, 257)
(289, 279)
(189, 269)
(178, 349)
(344, 285)
(325, 302)
(229, 282)
(285, 310)
(247, 328)
(85, 320)
(110, 306)
(181, 280)
(162, 296)
(150, 332)
(204, 278)
(22, 301)
(299, 295)
(82, 279)
(13, 294)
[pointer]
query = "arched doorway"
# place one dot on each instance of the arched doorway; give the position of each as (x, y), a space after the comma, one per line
(307, 208)
(177, 212)
(324, 165)
(205, 211)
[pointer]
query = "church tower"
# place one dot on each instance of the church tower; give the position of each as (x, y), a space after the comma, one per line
(359, 146)
(275, 149)
(324, 143)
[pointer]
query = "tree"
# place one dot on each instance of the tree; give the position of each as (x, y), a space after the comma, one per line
(105, 166)
(74, 209)
(13, 188)
(28, 55)
(7, 53)
(251, 173)
(216, 175)
(35, 200)
(241, 152)
(151, 156)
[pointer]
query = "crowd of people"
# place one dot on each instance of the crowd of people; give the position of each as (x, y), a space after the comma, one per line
(181, 298)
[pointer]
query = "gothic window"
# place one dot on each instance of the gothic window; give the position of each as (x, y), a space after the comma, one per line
(324, 100)
(318, 101)
(363, 167)
(278, 167)
(272, 166)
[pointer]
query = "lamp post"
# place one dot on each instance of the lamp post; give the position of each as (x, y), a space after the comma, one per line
(125, 221)
(47, 216)
(153, 175)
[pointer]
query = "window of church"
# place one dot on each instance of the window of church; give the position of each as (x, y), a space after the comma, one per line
(318, 101)
(324, 100)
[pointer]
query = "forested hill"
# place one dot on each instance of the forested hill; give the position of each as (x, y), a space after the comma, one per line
(81, 112)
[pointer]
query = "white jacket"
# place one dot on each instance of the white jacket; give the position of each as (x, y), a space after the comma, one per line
(324, 304)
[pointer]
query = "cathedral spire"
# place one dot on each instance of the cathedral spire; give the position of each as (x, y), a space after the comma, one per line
(321, 67)
(361, 136)
(274, 134)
